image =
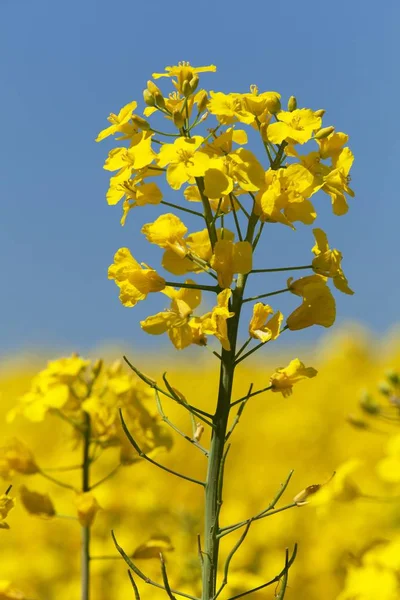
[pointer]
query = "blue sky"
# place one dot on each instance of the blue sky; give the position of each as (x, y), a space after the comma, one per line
(66, 65)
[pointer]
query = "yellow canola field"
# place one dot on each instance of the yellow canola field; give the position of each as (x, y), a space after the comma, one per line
(348, 544)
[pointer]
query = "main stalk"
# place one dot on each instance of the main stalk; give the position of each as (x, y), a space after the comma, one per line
(214, 481)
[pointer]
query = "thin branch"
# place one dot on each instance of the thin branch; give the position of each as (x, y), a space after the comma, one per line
(265, 295)
(239, 413)
(260, 345)
(281, 269)
(196, 411)
(243, 348)
(257, 238)
(199, 550)
(235, 217)
(266, 389)
(276, 579)
(240, 205)
(194, 286)
(135, 587)
(153, 462)
(57, 481)
(175, 428)
(264, 513)
(139, 573)
(230, 556)
(103, 479)
(183, 208)
(165, 578)
(282, 591)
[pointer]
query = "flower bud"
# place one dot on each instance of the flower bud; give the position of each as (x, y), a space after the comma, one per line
(186, 91)
(273, 105)
(140, 123)
(178, 119)
(369, 405)
(202, 100)
(384, 388)
(302, 497)
(159, 98)
(149, 98)
(320, 112)
(393, 377)
(194, 82)
(292, 103)
(97, 367)
(357, 423)
(153, 88)
(199, 432)
(324, 132)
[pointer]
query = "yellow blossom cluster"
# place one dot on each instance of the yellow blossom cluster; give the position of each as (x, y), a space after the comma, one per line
(174, 148)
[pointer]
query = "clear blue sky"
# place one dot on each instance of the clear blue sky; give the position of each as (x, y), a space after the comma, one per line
(66, 65)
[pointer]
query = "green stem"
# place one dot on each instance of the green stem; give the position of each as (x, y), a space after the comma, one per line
(85, 530)
(214, 479)
(207, 212)
(280, 269)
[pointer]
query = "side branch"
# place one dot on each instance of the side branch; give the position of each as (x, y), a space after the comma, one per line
(175, 428)
(267, 512)
(153, 462)
(288, 564)
(139, 573)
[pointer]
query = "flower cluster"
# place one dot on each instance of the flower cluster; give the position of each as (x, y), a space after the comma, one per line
(217, 169)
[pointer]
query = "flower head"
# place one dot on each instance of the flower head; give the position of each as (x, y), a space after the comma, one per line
(284, 378)
(263, 328)
(134, 281)
(327, 262)
(318, 307)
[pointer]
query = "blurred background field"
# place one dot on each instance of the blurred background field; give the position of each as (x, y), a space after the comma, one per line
(341, 542)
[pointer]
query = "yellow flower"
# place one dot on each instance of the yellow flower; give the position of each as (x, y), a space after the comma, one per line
(176, 320)
(336, 183)
(139, 155)
(198, 250)
(331, 146)
(228, 108)
(134, 281)
(6, 504)
(87, 508)
(140, 195)
(370, 582)
(258, 104)
(19, 457)
(297, 126)
(262, 329)
(120, 123)
(328, 262)
(167, 231)
(284, 378)
(183, 71)
(388, 467)
(318, 307)
(230, 258)
(36, 503)
(283, 196)
(214, 322)
(239, 168)
(8, 592)
(184, 160)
